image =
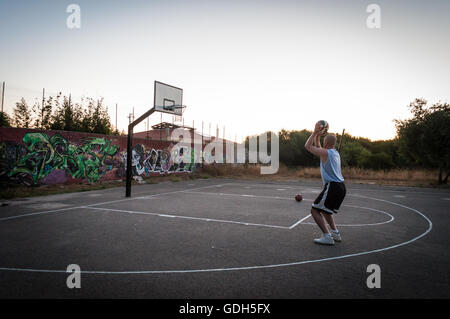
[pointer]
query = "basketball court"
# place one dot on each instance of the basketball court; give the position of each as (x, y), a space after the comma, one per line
(223, 238)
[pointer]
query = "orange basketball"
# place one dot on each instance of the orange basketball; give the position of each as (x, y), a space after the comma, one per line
(298, 198)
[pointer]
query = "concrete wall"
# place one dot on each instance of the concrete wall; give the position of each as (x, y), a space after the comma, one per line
(30, 157)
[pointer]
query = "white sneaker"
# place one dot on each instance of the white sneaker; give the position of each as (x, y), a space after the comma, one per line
(326, 239)
(336, 235)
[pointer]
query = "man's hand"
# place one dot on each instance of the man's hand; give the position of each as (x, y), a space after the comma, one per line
(320, 152)
(317, 128)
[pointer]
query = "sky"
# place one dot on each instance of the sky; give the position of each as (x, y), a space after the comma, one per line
(248, 66)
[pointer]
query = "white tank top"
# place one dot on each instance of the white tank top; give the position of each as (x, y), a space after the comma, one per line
(331, 171)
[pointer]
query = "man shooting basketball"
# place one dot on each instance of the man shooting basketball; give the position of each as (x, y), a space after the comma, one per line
(333, 193)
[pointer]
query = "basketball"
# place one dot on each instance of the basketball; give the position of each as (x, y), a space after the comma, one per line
(298, 198)
(323, 127)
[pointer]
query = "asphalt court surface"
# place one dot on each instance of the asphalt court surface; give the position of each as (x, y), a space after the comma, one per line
(222, 238)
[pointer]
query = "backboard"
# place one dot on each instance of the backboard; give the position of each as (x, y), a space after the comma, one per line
(168, 99)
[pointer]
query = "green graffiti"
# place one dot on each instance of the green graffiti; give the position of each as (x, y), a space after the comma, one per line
(45, 154)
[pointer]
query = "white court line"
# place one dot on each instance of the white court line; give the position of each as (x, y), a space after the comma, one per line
(186, 217)
(350, 187)
(245, 195)
(97, 204)
(430, 227)
(299, 222)
(391, 218)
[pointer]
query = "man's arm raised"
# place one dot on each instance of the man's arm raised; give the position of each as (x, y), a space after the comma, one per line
(320, 152)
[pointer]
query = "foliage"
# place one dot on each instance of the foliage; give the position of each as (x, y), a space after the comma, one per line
(424, 140)
(22, 114)
(292, 149)
(61, 113)
(42, 113)
(5, 121)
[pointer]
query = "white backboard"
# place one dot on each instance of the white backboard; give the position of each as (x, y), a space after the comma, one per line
(166, 97)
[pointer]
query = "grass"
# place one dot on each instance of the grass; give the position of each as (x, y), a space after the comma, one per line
(403, 177)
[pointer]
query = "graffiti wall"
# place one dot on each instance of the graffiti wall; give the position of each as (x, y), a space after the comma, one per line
(147, 161)
(33, 157)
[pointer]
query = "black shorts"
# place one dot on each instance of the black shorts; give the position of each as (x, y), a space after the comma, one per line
(331, 197)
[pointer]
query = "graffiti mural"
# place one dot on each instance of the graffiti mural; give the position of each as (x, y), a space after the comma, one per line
(35, 158)
(55, 156)
(164, 161)
(9, 153)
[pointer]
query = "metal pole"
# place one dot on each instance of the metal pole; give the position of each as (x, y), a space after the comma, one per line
(193, 144)
(235, 148)
(202, 145)
(340, 142)
(117, 130)
(43, 102)
(223, 143)
(129, 151)
(3, 94)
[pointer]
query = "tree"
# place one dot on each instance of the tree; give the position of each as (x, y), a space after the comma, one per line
(100, 119)
(22, 114)
(376, 161)
(352, 154)
(424, 140)
(96, 118)
(68, 116)
(292, 149)
(5, 121)
(43, 113)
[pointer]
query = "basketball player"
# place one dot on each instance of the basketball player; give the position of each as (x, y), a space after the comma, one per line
(333, 193)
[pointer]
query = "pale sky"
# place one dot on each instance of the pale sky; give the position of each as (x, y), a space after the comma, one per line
(250, 66)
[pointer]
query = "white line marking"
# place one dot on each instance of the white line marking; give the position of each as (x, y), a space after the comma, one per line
(430, 227)
(97, 204)
(300, 187)
(391, 218)
(301, 220)
(185, 217)
(246, 195)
